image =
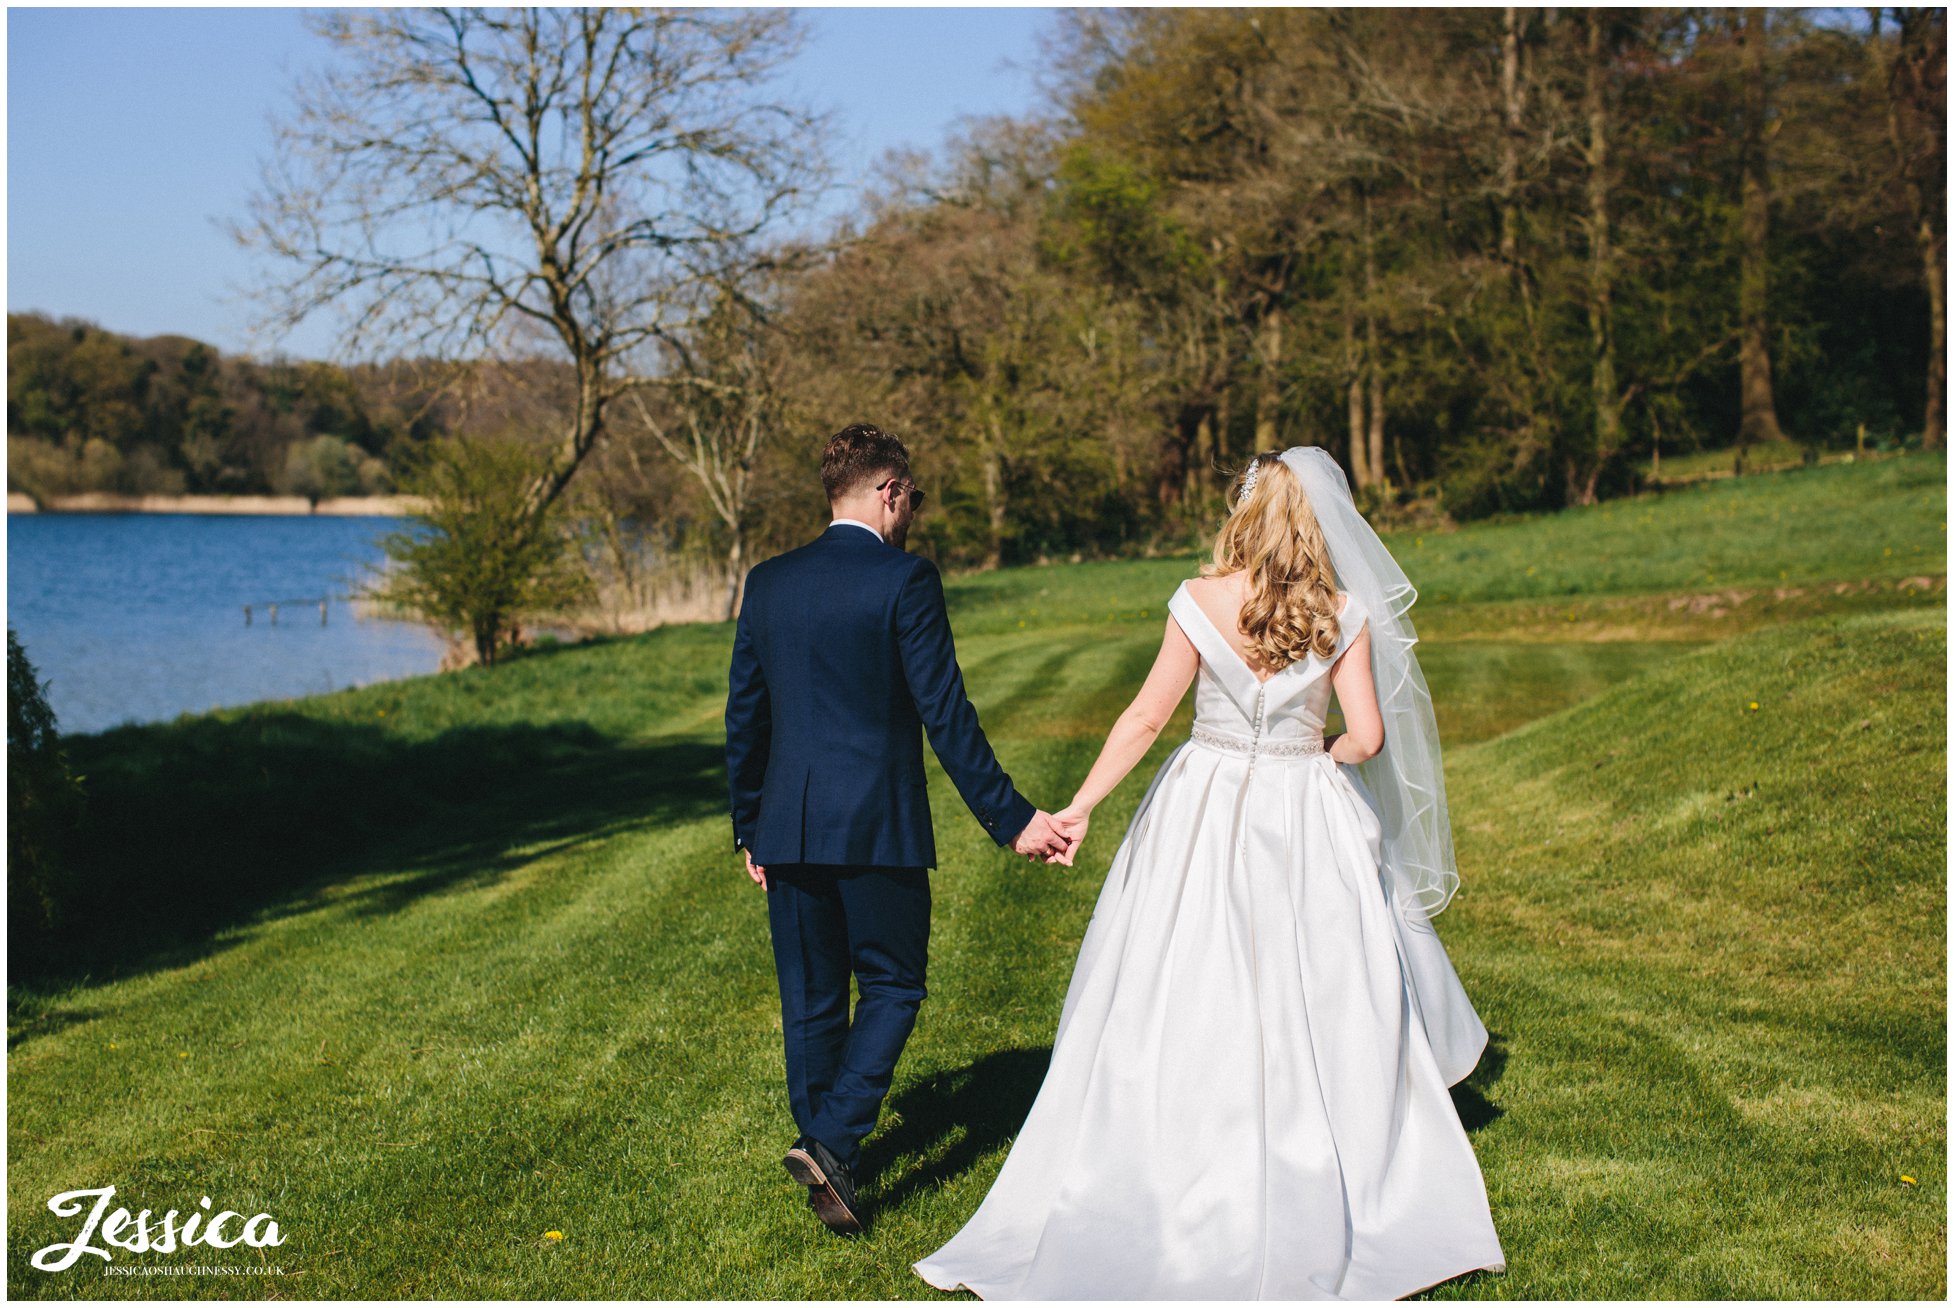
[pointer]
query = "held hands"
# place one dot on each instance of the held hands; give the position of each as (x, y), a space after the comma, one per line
(1040, 839)
(1055, 839)
(1071, 822)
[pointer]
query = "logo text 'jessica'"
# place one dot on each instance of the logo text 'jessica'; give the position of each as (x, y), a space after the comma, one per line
(136, 1233)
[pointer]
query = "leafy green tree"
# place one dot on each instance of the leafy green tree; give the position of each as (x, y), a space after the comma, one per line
(482, 560)
(322, 467)
(1913, 70)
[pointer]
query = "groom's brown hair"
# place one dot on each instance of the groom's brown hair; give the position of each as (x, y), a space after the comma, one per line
(859, 454)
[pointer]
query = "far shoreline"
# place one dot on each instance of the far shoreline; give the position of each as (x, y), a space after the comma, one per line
(343, 506)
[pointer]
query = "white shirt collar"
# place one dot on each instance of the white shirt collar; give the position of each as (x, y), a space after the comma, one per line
(859, 523)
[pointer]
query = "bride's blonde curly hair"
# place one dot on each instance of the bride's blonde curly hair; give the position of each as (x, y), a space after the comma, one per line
(1273, 538)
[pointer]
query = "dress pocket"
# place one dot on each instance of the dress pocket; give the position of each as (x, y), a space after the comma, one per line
(1362, 807)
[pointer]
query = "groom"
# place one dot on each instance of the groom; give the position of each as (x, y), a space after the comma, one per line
(841, 655)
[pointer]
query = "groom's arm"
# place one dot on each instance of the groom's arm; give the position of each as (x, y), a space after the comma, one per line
(929, 664)
(749, 731)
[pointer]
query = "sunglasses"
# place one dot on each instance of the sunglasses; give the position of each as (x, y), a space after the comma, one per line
(915, 495)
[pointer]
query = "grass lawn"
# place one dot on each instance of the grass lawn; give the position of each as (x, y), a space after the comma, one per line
(427, 970)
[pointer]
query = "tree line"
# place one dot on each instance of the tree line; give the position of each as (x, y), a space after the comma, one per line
(1495, 259)
(95, 410)
(90, 409)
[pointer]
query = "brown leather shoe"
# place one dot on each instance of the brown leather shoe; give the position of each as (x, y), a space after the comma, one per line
(830, 1185)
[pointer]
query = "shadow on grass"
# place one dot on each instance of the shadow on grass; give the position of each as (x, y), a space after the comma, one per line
(1469, 1096)
(945, 1124)
(30, 1016)
(205, 823)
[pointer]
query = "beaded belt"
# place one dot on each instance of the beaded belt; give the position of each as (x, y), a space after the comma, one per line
(1271, 748)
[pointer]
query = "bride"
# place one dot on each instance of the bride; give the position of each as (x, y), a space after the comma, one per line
(1247, 1095)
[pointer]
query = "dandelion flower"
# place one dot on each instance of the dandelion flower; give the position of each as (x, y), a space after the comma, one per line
(1753, 706)
(552, 1235)
(1907, 1180)
(183, 1053)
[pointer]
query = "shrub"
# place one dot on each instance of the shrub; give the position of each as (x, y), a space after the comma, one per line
(43, 806)
(483, 558)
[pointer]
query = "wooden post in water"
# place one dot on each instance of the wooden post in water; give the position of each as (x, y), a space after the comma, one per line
(271, 607)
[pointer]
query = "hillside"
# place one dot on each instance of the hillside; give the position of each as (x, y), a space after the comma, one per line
(431, 968)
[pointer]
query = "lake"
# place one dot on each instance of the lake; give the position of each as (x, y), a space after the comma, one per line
(137, 617)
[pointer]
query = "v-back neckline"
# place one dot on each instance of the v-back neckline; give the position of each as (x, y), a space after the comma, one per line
(1228, 645)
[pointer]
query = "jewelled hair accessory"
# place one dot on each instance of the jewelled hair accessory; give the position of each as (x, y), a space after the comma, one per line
(1248, 479)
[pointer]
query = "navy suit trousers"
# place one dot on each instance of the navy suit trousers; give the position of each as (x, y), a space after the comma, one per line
(829, 921)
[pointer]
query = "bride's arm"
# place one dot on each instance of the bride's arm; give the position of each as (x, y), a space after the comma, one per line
(1137, 728)
(1363, 723)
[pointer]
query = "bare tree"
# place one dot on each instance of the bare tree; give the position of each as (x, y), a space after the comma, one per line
(472, 182)
(721, 398)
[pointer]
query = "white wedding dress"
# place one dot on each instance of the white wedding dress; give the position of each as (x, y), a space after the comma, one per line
(1247, 1096)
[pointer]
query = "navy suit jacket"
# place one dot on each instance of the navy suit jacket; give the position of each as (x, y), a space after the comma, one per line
(841, 657)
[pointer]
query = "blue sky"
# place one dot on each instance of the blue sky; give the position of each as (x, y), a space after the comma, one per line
(131, 132)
